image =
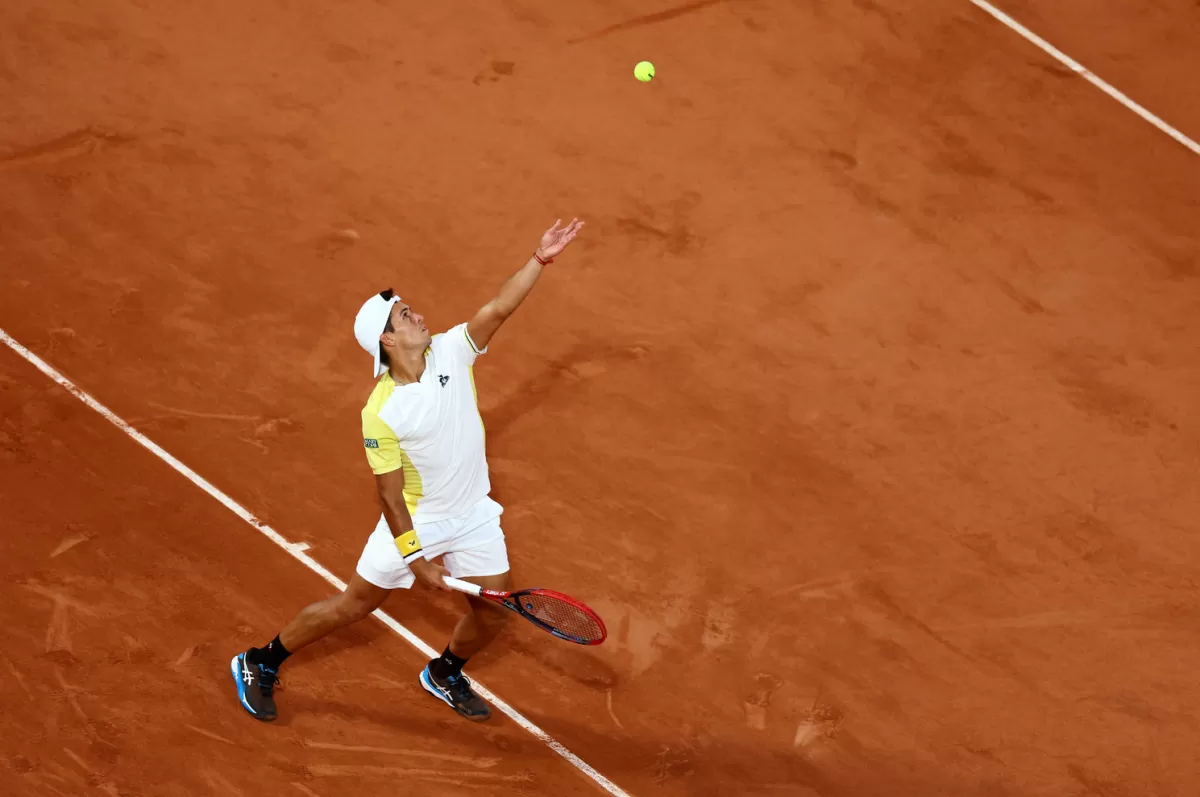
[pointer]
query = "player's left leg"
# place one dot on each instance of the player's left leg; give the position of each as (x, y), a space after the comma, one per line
(443, 677)
(479, 555)
(483, 621)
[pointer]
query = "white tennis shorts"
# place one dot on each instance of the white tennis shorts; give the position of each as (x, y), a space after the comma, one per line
(472, 544)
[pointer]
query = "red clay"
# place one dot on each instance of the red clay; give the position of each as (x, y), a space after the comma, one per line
(861, 413)
(1145, 48)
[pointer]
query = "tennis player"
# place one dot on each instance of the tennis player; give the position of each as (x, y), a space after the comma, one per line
(424, 441)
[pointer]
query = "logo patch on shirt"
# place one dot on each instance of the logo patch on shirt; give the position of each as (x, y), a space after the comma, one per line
(370, 443)
(444, 378)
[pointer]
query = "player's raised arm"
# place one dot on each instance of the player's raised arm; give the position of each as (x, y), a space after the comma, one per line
(513, 292)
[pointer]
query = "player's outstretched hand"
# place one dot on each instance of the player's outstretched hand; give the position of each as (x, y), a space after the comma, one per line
(557, 238)
(430, 574)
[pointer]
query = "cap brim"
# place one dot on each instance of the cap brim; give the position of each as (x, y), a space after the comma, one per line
(378, 369)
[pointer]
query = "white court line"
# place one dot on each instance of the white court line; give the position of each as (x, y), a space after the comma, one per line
(297, 551)
(1088, 75)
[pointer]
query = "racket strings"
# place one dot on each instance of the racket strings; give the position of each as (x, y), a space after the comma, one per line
(562, 615)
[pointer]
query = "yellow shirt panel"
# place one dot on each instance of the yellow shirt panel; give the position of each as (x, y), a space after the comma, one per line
(381, 444)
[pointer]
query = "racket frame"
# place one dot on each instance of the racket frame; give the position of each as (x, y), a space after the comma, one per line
(507, 600)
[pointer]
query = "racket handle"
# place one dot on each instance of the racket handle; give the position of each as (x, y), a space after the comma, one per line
(463, 586)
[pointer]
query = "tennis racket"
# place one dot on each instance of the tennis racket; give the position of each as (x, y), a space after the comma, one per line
(550, 611)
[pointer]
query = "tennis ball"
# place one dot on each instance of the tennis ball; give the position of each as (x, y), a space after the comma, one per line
(644, 71)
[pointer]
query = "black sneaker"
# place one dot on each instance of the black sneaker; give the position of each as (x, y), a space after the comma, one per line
(455, 691)
(255, 687)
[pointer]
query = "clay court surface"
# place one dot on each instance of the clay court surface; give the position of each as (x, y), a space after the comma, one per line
(864, 410)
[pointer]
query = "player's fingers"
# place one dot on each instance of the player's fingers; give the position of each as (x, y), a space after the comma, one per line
(435, 576)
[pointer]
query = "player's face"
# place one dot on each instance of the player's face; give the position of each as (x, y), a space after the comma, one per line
(410, 329)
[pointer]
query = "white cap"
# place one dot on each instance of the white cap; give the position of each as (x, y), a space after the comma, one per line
(369, 324)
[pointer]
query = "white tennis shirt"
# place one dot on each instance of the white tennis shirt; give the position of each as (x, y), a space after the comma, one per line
(432, 429)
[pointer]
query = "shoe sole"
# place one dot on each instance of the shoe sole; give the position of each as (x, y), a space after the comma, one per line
(427, 685)
(235, 670)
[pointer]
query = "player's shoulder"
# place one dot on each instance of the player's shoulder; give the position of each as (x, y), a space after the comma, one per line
(457, 339)
(451, 335)
(381, 394)
(448, 340)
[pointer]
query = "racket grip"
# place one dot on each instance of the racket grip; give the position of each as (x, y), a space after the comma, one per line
(463, 586)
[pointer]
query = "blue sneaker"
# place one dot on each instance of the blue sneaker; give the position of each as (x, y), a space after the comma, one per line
(255, 687)
(455, 691)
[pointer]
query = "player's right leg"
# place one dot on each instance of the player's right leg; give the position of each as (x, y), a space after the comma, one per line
(380, 570)
(257, 670)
